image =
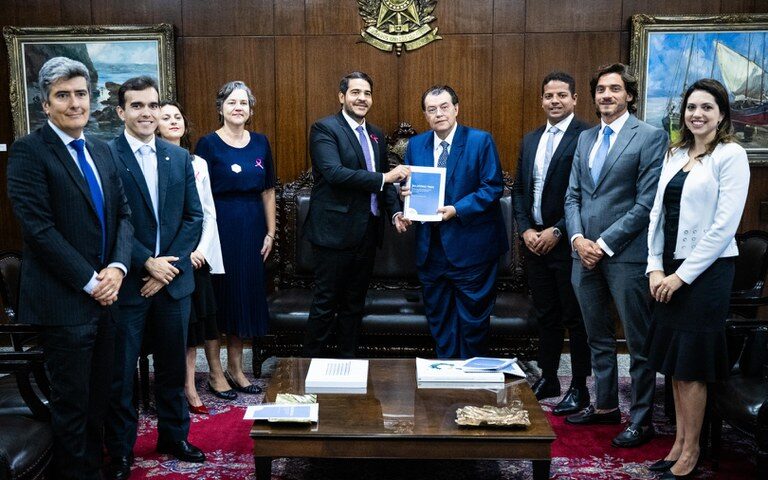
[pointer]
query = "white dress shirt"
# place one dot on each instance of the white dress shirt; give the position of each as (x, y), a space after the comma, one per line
(539, 175)
(88, 288)
(436, 143)
(149, 171)
(210, 245)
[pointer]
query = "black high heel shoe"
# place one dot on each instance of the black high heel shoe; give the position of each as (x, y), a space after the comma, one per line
(250, 389)
(226, 395)
(668, 475)
(661, 465)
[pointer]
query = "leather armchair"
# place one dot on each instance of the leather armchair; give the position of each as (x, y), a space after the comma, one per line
(742, 400)
(26, 438)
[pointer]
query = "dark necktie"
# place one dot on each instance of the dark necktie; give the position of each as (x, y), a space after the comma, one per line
(93, 187)
(442, 160)
(369, 165)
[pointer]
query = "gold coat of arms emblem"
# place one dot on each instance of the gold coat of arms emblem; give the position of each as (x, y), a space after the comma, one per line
(394, 24)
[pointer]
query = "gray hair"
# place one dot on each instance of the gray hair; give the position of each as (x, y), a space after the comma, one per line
(226, 90)
(60, 68)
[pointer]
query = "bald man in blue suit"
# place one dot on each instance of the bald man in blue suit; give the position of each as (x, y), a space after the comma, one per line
(457, 258)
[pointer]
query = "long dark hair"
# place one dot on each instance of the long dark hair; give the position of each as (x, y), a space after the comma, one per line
(184, 141)
(724, 133)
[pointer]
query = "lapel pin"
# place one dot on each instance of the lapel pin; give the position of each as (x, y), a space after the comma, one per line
(236, 168)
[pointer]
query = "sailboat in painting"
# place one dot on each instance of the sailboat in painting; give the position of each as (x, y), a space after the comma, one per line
(746, 82)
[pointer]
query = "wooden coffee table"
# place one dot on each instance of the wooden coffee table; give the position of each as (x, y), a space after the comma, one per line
(394, 419)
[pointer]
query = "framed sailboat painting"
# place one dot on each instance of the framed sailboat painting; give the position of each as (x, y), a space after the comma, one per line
(669, 53)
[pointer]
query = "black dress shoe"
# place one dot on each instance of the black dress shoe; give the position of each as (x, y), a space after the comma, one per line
(668, 475)
(575, 399)
(226, 395)
(633, 436)
(250, 388)
(119, 468)
(661, 465)
(183, 450)
(588, 416)
(546, 388)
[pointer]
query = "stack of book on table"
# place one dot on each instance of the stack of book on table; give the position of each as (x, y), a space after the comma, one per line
(330, 375)
(478, 372)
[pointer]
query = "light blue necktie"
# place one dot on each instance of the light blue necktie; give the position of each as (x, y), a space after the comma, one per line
(442, 160)
(369, 165)
(602, 153)
(93, 188)
(548, 152)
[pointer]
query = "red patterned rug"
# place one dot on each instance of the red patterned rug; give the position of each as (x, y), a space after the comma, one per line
(578, 452)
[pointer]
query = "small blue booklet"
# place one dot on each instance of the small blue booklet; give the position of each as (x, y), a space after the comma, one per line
(427, 194)
(488, 364)
(485, 363)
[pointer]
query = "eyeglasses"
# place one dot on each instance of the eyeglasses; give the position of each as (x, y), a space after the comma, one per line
(444, 108)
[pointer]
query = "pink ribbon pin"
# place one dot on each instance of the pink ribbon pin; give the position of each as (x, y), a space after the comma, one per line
(258, 163)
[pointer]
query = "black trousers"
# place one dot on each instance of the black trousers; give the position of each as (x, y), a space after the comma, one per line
(555, 309)
(78, 359)
(164, 321)
(341, 282)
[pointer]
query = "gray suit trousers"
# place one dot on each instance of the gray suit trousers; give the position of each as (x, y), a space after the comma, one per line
(627, 285)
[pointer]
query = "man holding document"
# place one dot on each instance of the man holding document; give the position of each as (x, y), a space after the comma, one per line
(457, 253)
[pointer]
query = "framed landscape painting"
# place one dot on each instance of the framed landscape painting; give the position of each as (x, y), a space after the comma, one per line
(112, 55)
(669, 53)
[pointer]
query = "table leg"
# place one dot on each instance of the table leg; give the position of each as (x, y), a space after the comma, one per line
(263, 468)
(541, 469)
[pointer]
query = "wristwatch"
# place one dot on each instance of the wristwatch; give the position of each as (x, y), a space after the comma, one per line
(556, 232)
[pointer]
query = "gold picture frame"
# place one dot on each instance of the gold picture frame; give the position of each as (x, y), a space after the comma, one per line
(112, 53)
(669, 53)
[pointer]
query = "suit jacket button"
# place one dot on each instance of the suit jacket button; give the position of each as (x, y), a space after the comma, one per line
(685, 232)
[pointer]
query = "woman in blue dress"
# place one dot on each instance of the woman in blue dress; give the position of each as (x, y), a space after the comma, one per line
(242, 181)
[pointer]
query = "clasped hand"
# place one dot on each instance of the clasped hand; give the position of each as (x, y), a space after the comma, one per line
(161, 273)
(540, 243)
(662, 287)
(589, 252)
(110, 279)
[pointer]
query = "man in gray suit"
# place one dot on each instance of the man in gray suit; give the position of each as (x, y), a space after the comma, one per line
(613, 182)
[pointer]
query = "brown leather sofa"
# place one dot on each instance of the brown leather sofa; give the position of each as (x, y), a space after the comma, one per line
(394, 324)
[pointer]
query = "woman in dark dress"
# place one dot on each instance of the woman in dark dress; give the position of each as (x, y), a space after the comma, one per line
(173, 126)
(242, 180)
(691, 248)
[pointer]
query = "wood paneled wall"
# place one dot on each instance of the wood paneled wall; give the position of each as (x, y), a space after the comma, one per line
(293, 52)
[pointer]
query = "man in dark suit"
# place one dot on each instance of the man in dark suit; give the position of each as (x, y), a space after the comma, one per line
(610, 194)
(67, 195)
(538, 194)
(457, 258)
(352, 197)
(155, 297)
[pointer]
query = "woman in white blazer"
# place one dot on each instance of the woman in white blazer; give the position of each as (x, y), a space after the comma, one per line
(206, 259)
(691, 248)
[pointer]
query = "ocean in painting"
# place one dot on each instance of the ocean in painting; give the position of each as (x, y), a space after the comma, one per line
(736, 59)
(114, 62)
